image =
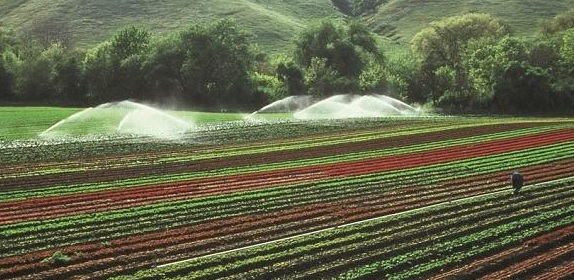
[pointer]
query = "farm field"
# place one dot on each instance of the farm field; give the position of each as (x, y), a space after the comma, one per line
(382, 198)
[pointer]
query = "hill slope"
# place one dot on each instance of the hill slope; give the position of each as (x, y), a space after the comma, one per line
(272, 22)
(401, 19)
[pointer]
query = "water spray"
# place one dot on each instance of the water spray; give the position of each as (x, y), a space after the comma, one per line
(125, 118)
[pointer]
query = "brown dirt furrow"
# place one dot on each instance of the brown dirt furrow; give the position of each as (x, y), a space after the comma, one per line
(514, 260)
(518, 270)
(562, 271)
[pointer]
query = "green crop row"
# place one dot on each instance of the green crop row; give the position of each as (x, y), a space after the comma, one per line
(426, 171)
(67, 189)
(314, 142)
(241, 136)
(311, 143)
(381, 242)
(194, 155)
(453, 251)
(372, 235)
(232, 133)
(488, 164)
(31, 153)
(23, 237)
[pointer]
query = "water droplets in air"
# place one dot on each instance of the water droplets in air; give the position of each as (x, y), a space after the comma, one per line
(339, 107)
(125, 118)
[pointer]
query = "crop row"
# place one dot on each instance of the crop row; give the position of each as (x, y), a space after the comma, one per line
(402, 200)
(107, 162)
(99, 201)
(231, 134)
(124, 225)
(306, 148)
(181, 237)
(535, 156)
(403, 246)
(410, 135)
(554, 249)
(278, 162)
(390, 181)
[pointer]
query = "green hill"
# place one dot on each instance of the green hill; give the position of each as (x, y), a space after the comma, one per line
(401, 19)
(273, 23)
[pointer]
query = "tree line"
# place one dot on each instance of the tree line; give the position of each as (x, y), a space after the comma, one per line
(467, 63)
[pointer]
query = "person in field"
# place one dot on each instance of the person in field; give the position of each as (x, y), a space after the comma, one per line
(517, 181)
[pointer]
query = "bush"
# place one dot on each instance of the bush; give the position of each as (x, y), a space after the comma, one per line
(57, 258)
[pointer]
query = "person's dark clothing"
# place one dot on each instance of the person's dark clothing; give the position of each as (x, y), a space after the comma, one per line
(517, 182)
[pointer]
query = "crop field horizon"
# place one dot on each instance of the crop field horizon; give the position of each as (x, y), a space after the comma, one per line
(232, 198)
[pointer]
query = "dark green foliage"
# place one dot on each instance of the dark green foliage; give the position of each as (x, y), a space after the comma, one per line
(323, 80)
(567, 48)
(216, 65)
(441, 47)
(360, 36)
(33, 80)
(465, 65)
(114, 68)
(57, 258)
(65, 76)
(523, 88)
(5, 82)
(8, 41)
(334, 56)
(317, 41)
(163, 68)
(563, 76)
(129, 42)
(515, 75)
(292, 76)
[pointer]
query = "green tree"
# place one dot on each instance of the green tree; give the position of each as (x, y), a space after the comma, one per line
(128, 42)
(114, 68)
(563, 82)
(443, 44)
(292, 77)
(567, 48)
(31, 69)
(323, 80)
(34, 83)
(218, 60)
(269, 86)
(524, 88)
(336, 55)
(361, 7)
(510, 75)
(6, 83)
(99, 71)
(487, 59)
(344, 6)
(327, 41)
(9, 42)
(66, 76)
(163, 67)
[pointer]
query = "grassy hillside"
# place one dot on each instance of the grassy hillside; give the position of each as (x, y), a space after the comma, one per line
(272, 22)
(401, 19)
